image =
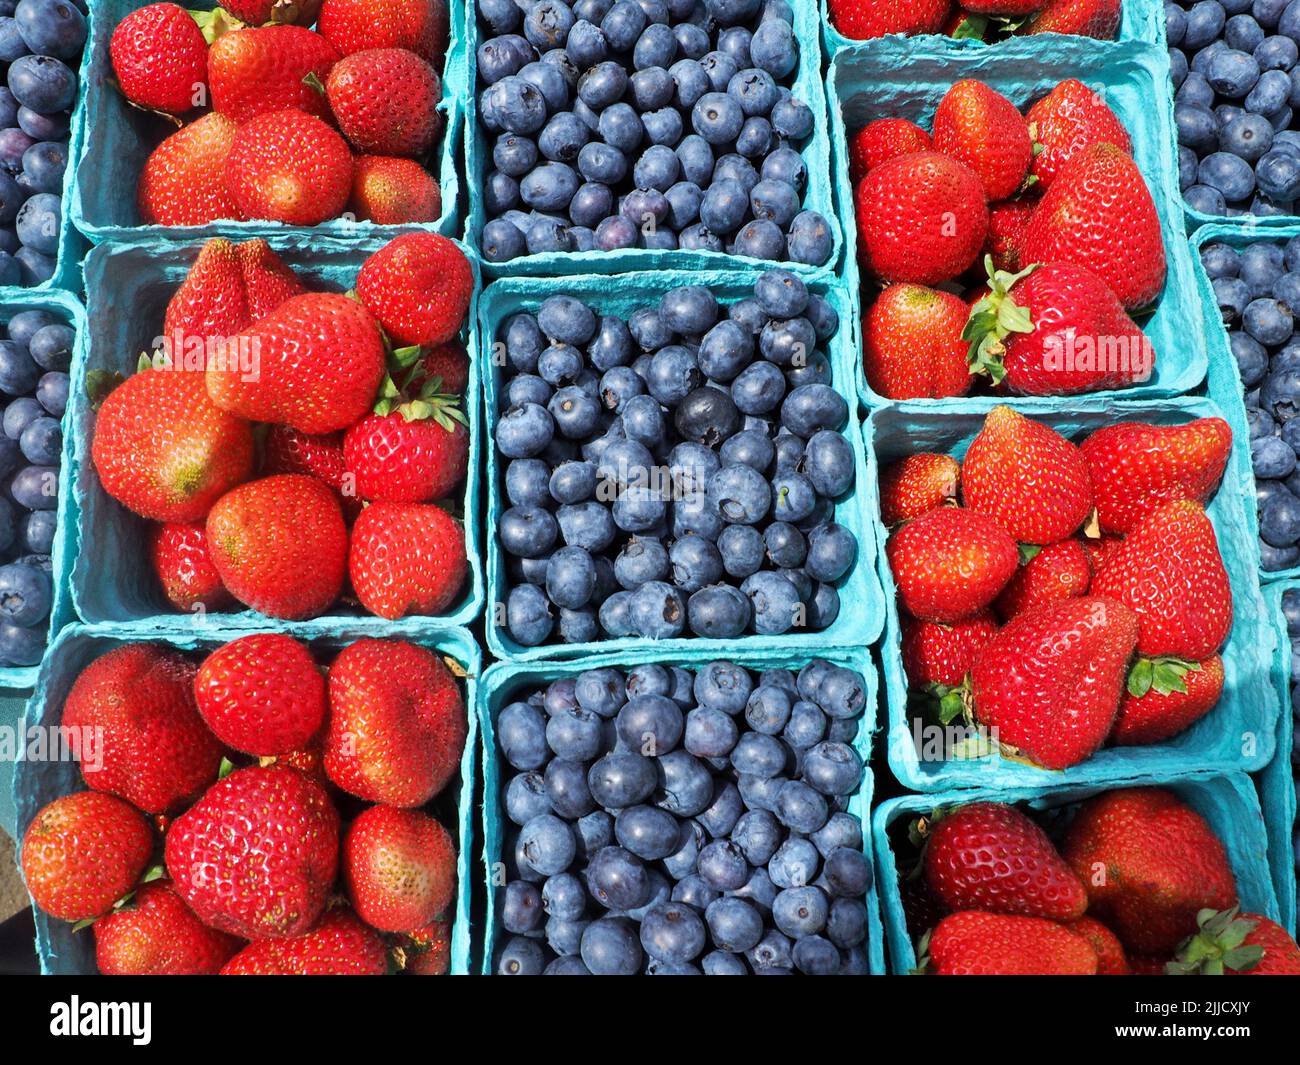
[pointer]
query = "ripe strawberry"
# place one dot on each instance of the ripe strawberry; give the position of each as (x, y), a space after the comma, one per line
(210, 304)
(921, 218)
(280, 545)
(1050, 682)
(418, 286)
(428, 950)
(1169, 570)
(399, 867)
(864, 19)
(390, 192)
(1136, 467)
(1027, 477)
(289, 166)
(1111, 959)
(980, 127)
(944, 654)
(1166, 697)
(183, 182)
(181, 559)
(989, 856)
(261, 694)
(286, 450)
(950, 563)
(1149, 964)
(406, 558)
(82, 852)
(422, 26)
(881, 140)
(397, 723)
(912, 346)
(409, 459)
(268, 279)
(260, 12)
(1100, 550)
(916, 484)
(309, 761)
(385, 101)
(317, 360)
(257, 855)
(1067, 119)
(1232, 944)
(269, 68)
(1009, 9)
(339, 945)
(1149, 863)
(160, 59)
(1007, 221)
(971, 943)
(1085, 18)
(1099, 213)
(1058, 571)
(449, 363)
(159, 936)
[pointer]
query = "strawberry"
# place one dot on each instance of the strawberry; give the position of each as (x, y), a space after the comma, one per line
(153, 749)
(935, 654)
(1232, 944)
(1149, 964)
(971, 943)
(864, 19)
(385, 101)
(159, 936)
(399, 867)
(449, 363)
(1005, 9)
(1067, 119)
(1086, 18)
(183, 182)
(82, 852)
(881, 140)
(418, 286)
(401, 459)
(271, 68)
(1166, 697)
(1099, 213)
(1111, 958)
(912, 346)
(1050, 682)
(339, 945)
(391, 192)
(427, 951)
(309, 761)
(397, 723)
(406, 558)
(916, 484)
(950, 563)
(1136, 467)
(280, 545)
(1007, 221)
(318, 360)
(261, 694)
(1169, 570)
(422, 26)
(286, 450)
(210, 304)
(1027, 477)
(980, 127)
(260, 12)
(289, 166)
(1150, 863)
(989, 856)
(1056, 572)
(268, 280)
(256, 856)
(922, 218)
(181, 559)
(160, 59)
(1100, 550)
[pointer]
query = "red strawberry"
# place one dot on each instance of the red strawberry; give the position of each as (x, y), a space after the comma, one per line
(944, 654)
(1166, 697)
(422, 26)
(385, 101)
(339, 945)
(160, 59)
(210, 304)
(391, 191)
(288, 166)
(916, 484)
(418, 286)
(286, 450)
(881, 140)
(309, 761)
(1007, 221)
(980, 127)
(1086, 18)
(159, 936)
(1149, 964)
(181, 559)
(260, 12)
(428, 950)
(399, 867)
(990, 944)
(912, 346)
(1050, 682)
(1232, 944)
(406, 558)
(268, 279)
(183, 182)
(950, 563)
(1100, 550)
(1008, 9)
(397, 723)
(257, 855)
(1069, 118)
(82, 852)
(1136, 467)
(271, 68)
(409, 460)
(1112, 961)
(280, 545)
(864, 19)
(1027, 477)
(449, 363)
(1056, 572)
(261, 694)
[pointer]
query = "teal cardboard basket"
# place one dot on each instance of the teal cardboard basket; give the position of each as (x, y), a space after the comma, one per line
(861, 606)
(1276, 781)
(72, 245)
(1239, 734)
(128, 287)
(816, 151)
(505, 682)
(12, 703)
(1227, 803)
(108, 166)
(65, 952)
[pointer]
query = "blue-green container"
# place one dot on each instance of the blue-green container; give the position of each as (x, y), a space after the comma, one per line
(128, 287)
(1238, 735)
(1276, 781)
(72, 245)
(906, 78)
(861, 606)
(505, 682)
(816, 151)
(1227, 803)
(121, 138)
(65, 952)
(12, 703)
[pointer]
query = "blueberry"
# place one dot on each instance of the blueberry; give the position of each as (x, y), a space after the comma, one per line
(1270, 94)
(42, 83)
(718, 612)
(610, 946)
(526, 797)
(36, 531)
(1268, 321)
(517, 105)
(1247, 137)
(833, 768)
(521, 956)
(621, 778)
(673, 933)
(1204, 23)
(848, 872)
(1198, 128)
(1233, 73)
(38, 223)
(623, 25)
(1279, 520)
(26, 592)
(42, 441)
(810, 240)
(1278, 175)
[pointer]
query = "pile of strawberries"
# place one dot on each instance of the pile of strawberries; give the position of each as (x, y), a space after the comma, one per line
(1011, 249)
(288, 124)
(1077, 597)
(186, 864)
(358, 395)
(976, 19)
(999, 898)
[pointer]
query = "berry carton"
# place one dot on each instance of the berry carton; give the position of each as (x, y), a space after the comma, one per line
(1276, 781)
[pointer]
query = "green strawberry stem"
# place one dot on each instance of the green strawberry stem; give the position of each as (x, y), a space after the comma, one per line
(1163, 675)
(313, 82)
(215, 23)
(994, 318)
(1218, 945)
(971, 28)
(1028, 552)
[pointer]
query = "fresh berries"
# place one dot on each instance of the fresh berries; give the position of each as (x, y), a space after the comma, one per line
(390, 192)
(916, 484)
(160, 59)
(399, 867)
(972, 943)
(183, 564)
(288, 166)
(1165, 698)
(1067, 119)
(950, 563)
(407, 558)
(183, 182)
(912, 344)
(881, 140)
(272, 68)
(418, 287)
(981, 128)
(1233, 944)
(159, 936)
(385, 101)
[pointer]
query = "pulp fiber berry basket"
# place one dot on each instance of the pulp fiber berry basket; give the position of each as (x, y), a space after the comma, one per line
(1239, 734)
(1227, 803)
(128, 289)
(505, 682)
(1276, 781)
(72, 245)
(64, 952)
(109, 163)
(907, 78)
(861, 607)
(816, 152)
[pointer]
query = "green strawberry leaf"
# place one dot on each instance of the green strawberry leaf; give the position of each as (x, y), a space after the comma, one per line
(313, 82)
(1028, 552)
(1243, 959)
(225, 769)
(952, 705)
(407, 356)
(1140, 677)
(99, 383)
(215, 23)
(971, 28)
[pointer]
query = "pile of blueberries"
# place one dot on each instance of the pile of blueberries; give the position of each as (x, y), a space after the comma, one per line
(676, 472)
(655, 124)
(674, 822)
(41, 42)
(34, 360)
